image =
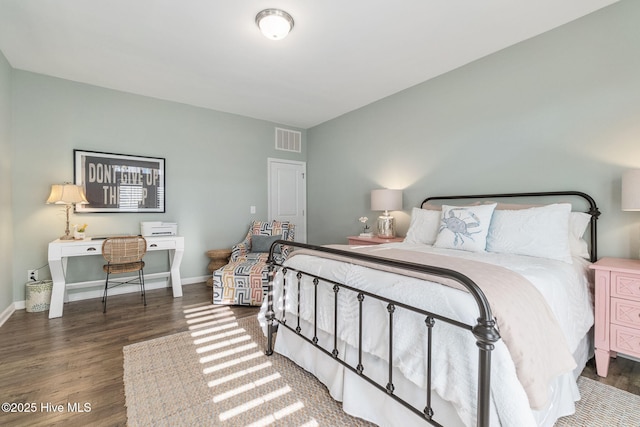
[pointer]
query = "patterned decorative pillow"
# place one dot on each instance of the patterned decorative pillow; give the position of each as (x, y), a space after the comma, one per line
(464, 227)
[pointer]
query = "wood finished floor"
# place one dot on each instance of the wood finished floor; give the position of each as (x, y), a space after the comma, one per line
(78, 358)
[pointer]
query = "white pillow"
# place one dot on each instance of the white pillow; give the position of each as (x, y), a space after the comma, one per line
(578, 222)
(540, 231)
(423, 227)
(464, 227)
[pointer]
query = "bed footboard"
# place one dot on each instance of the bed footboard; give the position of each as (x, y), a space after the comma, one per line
(484, 330)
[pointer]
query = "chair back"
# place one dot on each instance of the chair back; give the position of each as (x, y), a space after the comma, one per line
(272, 228)
(124, 249)
(285, 229)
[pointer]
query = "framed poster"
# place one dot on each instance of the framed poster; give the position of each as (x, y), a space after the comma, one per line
(120, 182)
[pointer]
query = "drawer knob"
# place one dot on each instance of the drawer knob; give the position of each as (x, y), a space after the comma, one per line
(91, 249)
(153, 245)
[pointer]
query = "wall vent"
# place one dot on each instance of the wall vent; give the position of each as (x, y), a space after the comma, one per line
(288, 140)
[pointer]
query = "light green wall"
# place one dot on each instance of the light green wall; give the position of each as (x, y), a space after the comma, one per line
(6, 227)
(216, 168)
(559, 111)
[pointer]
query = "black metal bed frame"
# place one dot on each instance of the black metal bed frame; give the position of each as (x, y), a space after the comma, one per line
(593, 208)
(484, 331)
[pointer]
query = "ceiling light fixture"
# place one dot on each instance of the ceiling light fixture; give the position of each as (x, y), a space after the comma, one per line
(275, 24)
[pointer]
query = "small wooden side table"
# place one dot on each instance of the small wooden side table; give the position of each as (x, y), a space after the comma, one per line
(219, 257)
(617, 310)
(357, 240)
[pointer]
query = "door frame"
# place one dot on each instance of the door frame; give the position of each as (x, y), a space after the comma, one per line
(303, 165)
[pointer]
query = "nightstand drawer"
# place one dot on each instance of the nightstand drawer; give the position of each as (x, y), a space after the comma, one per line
(625, 340)
(625, 285)
(625, 312)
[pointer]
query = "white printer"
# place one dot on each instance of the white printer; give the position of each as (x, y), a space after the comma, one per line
(158, 228)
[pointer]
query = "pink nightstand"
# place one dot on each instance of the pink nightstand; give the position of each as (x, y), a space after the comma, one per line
(617, 310)
(357, 240)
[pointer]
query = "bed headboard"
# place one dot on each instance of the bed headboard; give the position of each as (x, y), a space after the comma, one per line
(593, 208)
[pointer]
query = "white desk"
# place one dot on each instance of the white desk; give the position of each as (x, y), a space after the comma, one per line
(61, 250)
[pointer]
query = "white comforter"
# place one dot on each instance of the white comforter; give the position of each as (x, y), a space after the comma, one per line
(564, 286)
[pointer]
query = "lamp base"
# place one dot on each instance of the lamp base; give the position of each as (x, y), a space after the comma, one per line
(67, 232)
(386, 226)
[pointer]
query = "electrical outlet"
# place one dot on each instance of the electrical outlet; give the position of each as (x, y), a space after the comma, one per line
(32, 275)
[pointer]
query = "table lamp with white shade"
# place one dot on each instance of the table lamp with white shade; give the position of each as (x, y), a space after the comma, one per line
(386, 200)
(631, 190)
(68, 195)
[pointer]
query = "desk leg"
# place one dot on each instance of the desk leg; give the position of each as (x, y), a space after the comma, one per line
(64, 273)
(59, 288)
(175, 258)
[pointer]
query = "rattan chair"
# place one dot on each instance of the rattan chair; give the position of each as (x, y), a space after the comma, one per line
(124, 255)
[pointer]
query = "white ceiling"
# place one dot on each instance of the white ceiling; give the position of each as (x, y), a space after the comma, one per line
(341, 55)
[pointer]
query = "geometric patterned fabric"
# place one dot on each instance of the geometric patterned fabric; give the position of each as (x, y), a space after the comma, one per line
(244, 281)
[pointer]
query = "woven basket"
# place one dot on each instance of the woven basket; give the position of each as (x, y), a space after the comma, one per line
(38, 296)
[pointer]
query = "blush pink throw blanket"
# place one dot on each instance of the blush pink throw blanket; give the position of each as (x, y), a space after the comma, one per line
(527, 325)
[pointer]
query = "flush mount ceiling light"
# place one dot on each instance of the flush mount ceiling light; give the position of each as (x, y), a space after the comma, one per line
(275, 24)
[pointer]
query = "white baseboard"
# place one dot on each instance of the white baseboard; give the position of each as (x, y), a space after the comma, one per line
(6, 314)
(90, 292)
(192, 280)
(94, 289)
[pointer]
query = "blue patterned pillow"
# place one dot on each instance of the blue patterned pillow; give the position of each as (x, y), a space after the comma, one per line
(464, 227)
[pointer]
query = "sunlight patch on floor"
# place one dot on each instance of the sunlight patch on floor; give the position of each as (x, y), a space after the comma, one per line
(216, 322)
(278, 415)
(254, 403)
(197, 306)
(222, 344)
(219, 336)
(226, 348)
(222, 317)
(239, 374)
(208, 316)
(227, 353)
(211, 330)
(221, 366)
(246, 387)
(205, 310)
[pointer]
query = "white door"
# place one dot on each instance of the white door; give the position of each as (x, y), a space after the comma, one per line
(288, 194)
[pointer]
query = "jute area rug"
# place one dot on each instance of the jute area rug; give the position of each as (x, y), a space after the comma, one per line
(217, 374)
